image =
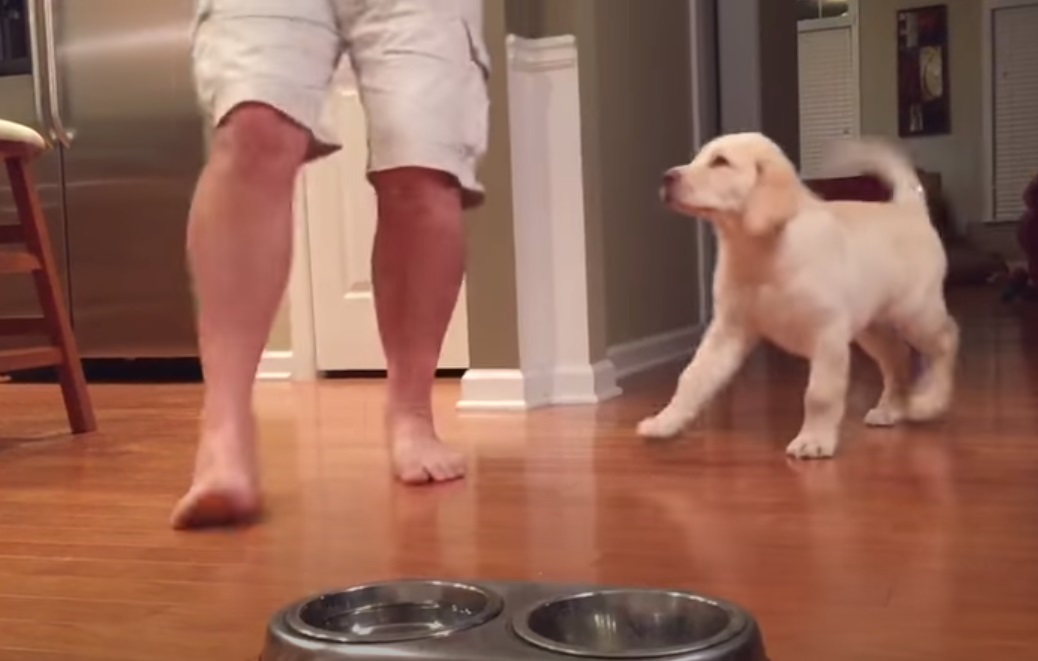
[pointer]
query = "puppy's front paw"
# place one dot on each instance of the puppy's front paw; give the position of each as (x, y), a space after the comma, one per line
(663, 425)
(807, 446)
(884, 416)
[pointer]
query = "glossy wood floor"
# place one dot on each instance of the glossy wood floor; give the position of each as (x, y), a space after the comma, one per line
(913, 544)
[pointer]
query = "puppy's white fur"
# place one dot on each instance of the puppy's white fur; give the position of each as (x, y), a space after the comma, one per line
(813, 277)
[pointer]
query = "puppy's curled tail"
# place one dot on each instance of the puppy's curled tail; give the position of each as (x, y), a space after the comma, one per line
(880, 159)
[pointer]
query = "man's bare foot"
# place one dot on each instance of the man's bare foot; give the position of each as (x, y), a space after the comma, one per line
(225, 490)
(213, 502)
(419, 456)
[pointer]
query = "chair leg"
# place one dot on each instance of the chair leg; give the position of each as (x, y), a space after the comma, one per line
(37, 237)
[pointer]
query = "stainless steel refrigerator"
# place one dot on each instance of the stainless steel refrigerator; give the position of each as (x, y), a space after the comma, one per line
(110, 81)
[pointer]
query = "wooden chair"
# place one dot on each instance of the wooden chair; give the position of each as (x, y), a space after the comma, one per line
(19, 145)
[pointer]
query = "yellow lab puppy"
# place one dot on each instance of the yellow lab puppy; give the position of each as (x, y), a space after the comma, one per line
(812, 277)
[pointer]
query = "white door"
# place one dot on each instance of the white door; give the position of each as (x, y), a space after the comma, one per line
(1015, 99)
(828, 90)
(341, 215)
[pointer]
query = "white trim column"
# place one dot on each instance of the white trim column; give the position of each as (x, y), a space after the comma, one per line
(550, 251)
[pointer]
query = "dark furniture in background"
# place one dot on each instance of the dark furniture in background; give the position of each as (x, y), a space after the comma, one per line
(1027, 231)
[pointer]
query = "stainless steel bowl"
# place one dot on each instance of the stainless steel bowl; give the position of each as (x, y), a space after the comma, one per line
(393, 612)
(634, 623)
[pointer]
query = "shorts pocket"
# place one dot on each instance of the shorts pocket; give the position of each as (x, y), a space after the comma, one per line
(477, 46)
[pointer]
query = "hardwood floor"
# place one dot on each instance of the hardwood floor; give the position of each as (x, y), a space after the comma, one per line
(916, 544)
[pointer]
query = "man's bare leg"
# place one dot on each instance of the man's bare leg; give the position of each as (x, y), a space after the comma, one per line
(240, 250)
(418, 264)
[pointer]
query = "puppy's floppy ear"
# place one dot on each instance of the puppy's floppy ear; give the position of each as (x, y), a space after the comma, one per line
(774, 199)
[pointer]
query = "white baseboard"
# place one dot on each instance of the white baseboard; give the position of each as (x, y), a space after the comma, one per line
(501, 390)
(632, 358)
(591, 384)
(512, 390)
(276, 366)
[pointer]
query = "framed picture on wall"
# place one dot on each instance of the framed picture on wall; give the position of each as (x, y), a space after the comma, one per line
(923, 101)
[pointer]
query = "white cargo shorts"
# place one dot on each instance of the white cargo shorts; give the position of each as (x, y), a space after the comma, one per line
(421, 68)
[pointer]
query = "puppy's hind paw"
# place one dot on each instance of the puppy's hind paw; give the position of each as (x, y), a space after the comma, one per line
(660, 426)
(807, 446)
(884, 416)
(928, 404)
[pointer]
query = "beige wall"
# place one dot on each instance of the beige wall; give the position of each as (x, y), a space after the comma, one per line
(641, 102)
(956, 156)
(492, 312)
(636, 122)
(777, 39)
(757, 51)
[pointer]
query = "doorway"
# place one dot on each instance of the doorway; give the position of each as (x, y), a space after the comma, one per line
(340, 218)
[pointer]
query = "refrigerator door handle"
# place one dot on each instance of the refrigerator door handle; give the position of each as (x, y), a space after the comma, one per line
(58, 130)
(38, 72)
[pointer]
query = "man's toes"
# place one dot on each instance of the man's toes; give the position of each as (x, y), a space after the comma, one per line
(413, 473)
(445, 468)
(438, 470)
(456, 467)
